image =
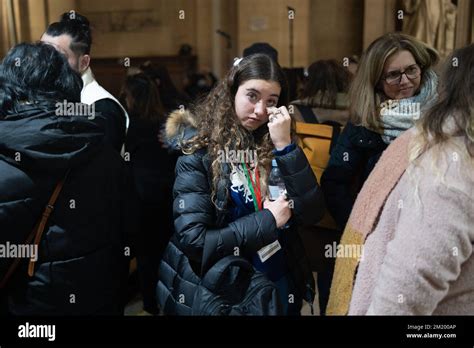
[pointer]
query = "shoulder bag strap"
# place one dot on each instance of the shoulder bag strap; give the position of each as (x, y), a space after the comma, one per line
(36, 233)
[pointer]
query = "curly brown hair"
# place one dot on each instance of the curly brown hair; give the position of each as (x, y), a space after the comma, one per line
(219, 128)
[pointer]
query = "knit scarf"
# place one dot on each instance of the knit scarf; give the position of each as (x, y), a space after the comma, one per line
(399, 115)
(363, 220)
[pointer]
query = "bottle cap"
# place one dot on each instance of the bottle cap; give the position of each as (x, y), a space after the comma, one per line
(274, 163)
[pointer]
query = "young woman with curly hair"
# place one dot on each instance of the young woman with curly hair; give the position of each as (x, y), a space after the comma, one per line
(220, 192)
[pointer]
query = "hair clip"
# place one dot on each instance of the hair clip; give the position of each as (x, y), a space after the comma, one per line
(237, 61)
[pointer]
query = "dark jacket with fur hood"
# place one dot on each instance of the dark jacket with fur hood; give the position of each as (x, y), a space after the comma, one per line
(202, 236)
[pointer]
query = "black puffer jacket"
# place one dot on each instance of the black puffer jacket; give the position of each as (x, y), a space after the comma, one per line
(353, 158)
(202, 237)
(83, 264)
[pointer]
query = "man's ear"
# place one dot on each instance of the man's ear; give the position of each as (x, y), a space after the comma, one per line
(84, 62)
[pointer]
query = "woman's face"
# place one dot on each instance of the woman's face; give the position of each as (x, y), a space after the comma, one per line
(409, 83)
(252, 100)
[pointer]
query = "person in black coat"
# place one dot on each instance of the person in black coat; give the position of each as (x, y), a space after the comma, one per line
(394, 85)
(220, 191)
(83, 255)
(357, 151)
(152, 169)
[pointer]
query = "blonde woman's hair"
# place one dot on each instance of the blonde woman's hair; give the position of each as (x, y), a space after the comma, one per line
(365, 92)
(455, 104)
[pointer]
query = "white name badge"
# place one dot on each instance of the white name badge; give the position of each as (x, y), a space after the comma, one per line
(269, 250)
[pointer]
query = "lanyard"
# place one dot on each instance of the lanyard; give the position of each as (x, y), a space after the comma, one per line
(254, 186)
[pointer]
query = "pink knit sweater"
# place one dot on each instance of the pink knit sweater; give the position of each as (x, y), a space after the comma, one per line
(419, 260)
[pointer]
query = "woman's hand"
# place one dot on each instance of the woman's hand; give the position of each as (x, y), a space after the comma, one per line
(279, 125)
(280, 209)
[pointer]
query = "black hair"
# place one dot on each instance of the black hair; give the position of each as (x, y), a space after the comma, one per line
(263, 48)
(171, 98)
(77, 27)
(146, 98)
(326, 77)
(37, 73)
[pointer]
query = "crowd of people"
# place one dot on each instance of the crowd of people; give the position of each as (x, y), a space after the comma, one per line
(185, 181)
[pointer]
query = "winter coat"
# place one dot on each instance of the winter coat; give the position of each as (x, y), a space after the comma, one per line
(83, 255)
(357, 151)
(410, 236)
(202, 235)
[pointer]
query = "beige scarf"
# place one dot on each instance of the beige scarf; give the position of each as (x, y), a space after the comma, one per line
(364, 217)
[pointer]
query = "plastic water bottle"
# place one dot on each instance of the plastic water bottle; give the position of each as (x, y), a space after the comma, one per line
(276, 185)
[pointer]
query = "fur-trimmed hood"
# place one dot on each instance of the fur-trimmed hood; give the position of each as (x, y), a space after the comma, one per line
(181, 125)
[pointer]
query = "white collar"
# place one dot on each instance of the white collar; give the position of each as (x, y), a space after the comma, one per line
(87, 76)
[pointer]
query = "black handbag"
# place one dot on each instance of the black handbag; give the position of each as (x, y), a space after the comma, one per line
(233, 287)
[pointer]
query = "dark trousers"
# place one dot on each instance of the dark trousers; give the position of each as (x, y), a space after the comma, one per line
(324, 286)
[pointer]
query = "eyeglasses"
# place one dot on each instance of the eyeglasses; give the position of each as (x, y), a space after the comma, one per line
(394, 77)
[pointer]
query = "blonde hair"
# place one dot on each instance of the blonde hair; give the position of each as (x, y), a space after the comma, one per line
(451, 116)
(365, 91)
(453, 113)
